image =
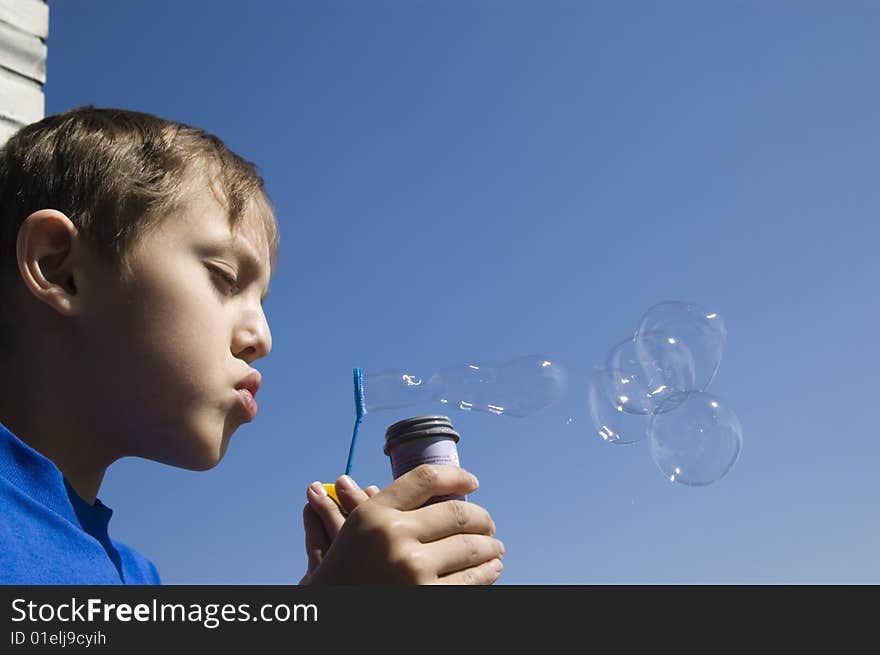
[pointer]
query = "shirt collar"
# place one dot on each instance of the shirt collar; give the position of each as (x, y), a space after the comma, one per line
(37, 476)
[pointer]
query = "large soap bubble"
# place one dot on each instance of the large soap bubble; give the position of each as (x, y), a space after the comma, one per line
(679, 324)
(698, 442)
(611, 422)
(517, 387)
(640, 383)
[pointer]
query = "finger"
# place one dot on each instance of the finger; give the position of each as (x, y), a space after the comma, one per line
(463, 551)
(484, 574)
(450, 517)
(414, 487)
(327, 510)
(317, 541)
(349, 493)
(372, 490)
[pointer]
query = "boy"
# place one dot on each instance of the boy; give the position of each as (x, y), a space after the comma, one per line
(135, 254)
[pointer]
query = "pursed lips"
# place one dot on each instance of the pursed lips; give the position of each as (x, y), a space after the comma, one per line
(247, 390)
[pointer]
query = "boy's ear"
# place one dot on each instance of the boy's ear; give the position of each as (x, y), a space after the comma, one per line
(49, 250)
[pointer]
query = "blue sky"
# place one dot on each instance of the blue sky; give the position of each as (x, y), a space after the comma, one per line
(472, 181)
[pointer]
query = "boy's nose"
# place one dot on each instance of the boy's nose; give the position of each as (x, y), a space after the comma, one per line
(253, 339)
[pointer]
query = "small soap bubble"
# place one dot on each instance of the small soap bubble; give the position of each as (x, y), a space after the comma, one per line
(670, 327)
(611, 423)
(698, 442)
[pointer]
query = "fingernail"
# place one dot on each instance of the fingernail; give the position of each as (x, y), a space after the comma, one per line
(497, 565)
(475, 479)
(318, 488)
(346, 483)
(500, 546)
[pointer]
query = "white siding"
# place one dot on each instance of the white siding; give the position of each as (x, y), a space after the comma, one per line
(21, 99)
(24, 26)
(7, 129)
(22, 53)
(31, 16)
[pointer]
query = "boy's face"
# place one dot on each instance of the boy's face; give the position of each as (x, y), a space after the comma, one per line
(173, 341)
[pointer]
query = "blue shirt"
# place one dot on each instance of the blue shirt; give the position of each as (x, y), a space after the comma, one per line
(49, 535)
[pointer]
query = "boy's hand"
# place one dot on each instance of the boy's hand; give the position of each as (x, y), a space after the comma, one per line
(389, 538)
(322, 518)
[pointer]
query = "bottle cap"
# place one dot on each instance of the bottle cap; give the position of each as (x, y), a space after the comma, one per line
(418, 427)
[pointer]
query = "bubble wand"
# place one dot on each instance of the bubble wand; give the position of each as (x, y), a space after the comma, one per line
(359, 407)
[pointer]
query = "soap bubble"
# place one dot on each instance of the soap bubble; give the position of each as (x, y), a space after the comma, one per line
(654, 384)
(698, 442)
(641, 383)
(517, 387)
(701, 331)
(611, 422)
(393, 389)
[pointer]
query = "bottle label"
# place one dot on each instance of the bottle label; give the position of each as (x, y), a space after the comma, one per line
(411, 454)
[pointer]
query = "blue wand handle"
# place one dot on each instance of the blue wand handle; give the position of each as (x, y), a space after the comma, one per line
(358, 376)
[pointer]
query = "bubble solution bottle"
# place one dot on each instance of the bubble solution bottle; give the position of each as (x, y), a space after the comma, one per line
(419, 440)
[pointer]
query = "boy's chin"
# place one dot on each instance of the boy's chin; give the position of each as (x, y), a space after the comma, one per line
(189, 462)
(200, 464)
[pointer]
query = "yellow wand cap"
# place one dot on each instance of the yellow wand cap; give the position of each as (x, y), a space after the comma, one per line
(330, 488)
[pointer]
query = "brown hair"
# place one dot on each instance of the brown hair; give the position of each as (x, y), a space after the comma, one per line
(115, 174)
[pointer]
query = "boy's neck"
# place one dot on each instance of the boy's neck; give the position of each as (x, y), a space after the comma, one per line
(51, 428)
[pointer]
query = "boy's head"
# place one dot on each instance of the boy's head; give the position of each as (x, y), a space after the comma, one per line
(135, 253)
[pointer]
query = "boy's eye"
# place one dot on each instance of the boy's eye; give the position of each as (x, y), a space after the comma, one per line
(230, 282)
